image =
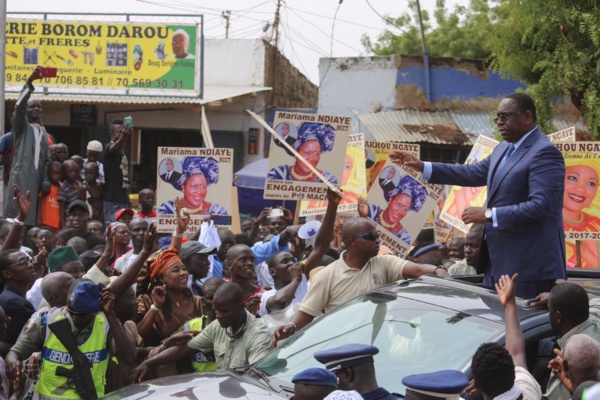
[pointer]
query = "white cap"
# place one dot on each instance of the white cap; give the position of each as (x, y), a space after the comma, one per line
(94, 145)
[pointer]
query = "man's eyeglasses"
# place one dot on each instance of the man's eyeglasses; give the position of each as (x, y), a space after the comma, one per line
(372, 236)
(21, 263)
(505, 117)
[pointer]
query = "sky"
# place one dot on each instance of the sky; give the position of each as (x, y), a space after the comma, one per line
(305, 29)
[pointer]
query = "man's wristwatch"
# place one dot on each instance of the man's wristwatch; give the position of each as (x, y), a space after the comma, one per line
(488, 214)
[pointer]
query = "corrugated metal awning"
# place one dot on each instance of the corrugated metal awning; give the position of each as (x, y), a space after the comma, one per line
(475, 122)
(212, 94)
(414, 126)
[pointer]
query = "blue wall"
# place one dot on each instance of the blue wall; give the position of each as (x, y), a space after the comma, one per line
(449, 83)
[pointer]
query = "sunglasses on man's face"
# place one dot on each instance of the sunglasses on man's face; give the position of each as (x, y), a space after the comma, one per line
(372, 236)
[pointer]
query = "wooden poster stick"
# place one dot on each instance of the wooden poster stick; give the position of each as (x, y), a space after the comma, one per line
(206, 135)
(578, 253)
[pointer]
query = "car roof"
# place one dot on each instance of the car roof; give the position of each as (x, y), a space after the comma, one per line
(462, 297)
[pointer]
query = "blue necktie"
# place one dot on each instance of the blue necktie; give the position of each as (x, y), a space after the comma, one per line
(511, 150)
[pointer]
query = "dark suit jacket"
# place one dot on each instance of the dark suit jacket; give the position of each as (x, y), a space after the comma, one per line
(388, 186)
(173, 178)
(528, 196)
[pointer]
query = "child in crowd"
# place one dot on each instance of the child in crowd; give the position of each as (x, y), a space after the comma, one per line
(146, 200)
(94, 154)
(79, 160)
(69, 190)
(50, 213)
(94, 190)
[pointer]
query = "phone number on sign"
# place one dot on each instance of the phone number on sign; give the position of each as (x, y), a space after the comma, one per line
(583, 235)
(102, 81)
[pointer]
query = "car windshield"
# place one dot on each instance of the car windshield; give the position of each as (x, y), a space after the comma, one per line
(413, 337)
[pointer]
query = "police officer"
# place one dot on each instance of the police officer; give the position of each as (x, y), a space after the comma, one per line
(354, 366)
(441, 385)
(90, 313)
(313, 384)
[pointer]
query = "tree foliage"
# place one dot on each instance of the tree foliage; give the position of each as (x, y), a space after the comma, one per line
(461, 32)
(554, 47)
(551, 45)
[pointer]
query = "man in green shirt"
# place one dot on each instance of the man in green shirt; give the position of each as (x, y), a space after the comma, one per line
(237, 339)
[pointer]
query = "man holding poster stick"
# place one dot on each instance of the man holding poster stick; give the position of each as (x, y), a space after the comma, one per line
(358, 270)
(523, 211)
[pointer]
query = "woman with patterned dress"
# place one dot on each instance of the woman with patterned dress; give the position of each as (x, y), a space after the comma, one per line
(409, 195)
(197, 175)
(581, 185)
(313, 140)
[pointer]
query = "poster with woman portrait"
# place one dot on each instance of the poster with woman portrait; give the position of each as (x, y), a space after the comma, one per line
(581, 202)
(376, 154)
(353, 180)
(460, 197)
(321, 140)
(400, 203)
(203, 178)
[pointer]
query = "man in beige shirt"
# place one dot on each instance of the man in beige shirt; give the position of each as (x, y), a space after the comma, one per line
(237, 338)
(358, 270)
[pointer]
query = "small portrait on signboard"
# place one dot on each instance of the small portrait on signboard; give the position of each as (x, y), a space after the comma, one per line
(198, 173)
(180, 44)
(369, 158)
(388, 180)
(408, 195)
(170, 171)
(288, 133)
(313, 139)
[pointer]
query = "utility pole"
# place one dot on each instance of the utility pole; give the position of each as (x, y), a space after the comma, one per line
(2, 64)
(226, 15)
(274, 70)
(425, 55)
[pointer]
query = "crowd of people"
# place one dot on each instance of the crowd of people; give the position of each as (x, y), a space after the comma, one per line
(94, 299)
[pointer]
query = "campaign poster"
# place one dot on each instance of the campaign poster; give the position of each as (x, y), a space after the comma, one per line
(565, 135)
(581, 205)
(203, 178)
(460, 197)
(89, 55)
(321, 140)
(400, 203)
(353, 180)
(377, 155)
(441, 228)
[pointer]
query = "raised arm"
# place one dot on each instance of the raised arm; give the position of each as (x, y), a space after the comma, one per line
(182, 224)
(325, 233)
(128, 278)
(256, 227)
(123, 343)
(515, 343)
(14, 236)
(19, 120)
(120, 139)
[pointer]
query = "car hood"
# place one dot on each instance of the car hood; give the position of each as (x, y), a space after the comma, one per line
(211, 385)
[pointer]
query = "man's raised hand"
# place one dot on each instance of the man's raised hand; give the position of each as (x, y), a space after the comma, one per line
(403, 158)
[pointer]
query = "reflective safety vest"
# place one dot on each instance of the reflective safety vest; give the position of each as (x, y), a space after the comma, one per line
(55, 354)
(200, 362)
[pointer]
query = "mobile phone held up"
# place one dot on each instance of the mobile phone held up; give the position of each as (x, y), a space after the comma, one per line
(47, 72)
(127, 123)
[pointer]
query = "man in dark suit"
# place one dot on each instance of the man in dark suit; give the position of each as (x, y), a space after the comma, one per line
(171, 176)
(523, 212)
(387, 182)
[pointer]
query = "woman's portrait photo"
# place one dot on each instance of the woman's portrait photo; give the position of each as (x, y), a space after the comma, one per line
(408, 195)
(353, 179)
(313, 140)
(198, 173)
(580, 207)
